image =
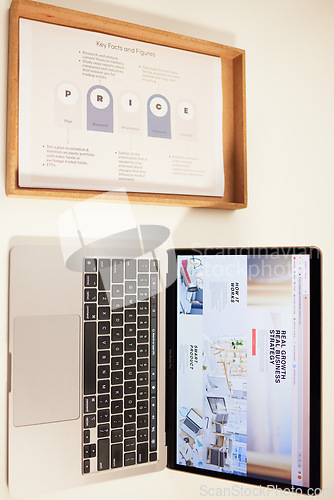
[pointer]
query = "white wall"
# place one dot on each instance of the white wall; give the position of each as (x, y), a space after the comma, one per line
(290, 108)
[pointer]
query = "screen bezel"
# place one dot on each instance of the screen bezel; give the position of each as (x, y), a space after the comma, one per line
(315, 364)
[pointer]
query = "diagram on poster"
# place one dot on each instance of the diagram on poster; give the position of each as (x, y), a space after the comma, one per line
(102, 112)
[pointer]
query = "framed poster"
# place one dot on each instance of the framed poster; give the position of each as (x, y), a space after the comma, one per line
(105, 106)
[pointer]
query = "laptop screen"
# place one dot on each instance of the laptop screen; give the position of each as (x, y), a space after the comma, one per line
(243, 405)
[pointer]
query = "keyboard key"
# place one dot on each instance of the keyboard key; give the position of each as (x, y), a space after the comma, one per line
(143, 279)
(90, 265)
(129, 444)
(142, 421)
(104, 371)
(116, 455)
(117, 291)
(103, 430)
(117, 319)
(117, 392)
(143, 293)
(102, 454)
(104, 313)
(104, 274)
(129, 416)
(143, 265)
(104, 328)
(89, 358)
(130, 358)
(90, 295)
(130, 315)
(103, 401)
(104, 298)
(130, 329)
(86, 437)
(130, 344)
(103, 357)
(129, 430)
(116, 435)
(91, 280)
(142, 453)
(89, 421)
(103, 386)
(104, 342)
(153, 457)
(130, 401)
(142, 350)
(129, 373)
(86, 466)
(142, 392)
(116, 378)
(89, 311)
(130, 287)
(90, 404)
(103, 416)
(116, 421)
(117, 305)
(130, 301)
(142, 364)
(117, 406)
(130, 269)
(142, 378)
(117, 270)
(116, 349)
(117, 363)
(143, 308)
(129, 459)
(117, 334)
(130, 387)
(142, 336)
(142, 322)
(142, 435)
(142, 407)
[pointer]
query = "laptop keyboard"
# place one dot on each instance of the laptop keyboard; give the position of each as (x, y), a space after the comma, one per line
(120, 363)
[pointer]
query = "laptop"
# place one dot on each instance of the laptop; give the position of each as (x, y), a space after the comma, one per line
(118, 368)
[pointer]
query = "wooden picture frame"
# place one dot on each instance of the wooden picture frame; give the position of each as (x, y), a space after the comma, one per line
(233, 119)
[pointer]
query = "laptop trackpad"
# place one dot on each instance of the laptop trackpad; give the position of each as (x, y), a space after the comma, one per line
(46, 369)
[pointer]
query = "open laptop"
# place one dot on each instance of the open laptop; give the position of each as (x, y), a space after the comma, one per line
(89, 395)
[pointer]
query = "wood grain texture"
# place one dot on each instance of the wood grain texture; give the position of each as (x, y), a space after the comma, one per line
(234, 105)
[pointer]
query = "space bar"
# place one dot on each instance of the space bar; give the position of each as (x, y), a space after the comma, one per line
(90, 358)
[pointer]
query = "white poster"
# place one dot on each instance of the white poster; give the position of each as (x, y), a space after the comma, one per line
(107, 113)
